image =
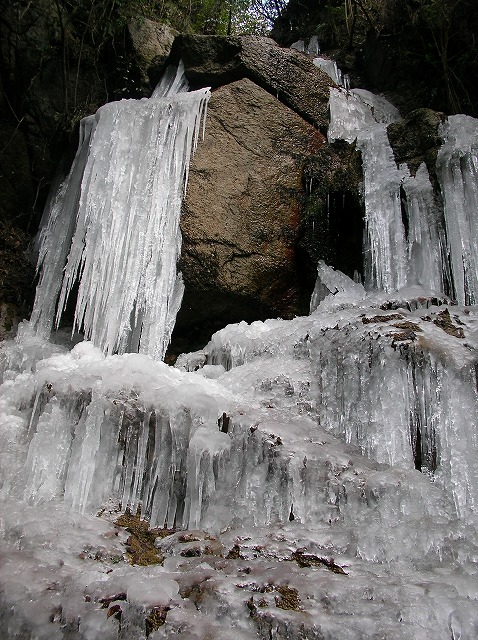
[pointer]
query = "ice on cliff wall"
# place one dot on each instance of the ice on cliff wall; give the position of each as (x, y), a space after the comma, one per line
(321, 472)
(437, 247)
(115, 220)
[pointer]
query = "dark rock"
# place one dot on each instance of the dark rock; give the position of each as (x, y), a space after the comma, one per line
(332, 222)
(415, 139)
(444, 321)
(151, 42)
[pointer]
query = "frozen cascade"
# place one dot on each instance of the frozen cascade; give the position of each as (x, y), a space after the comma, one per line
(132, 235)
(438, 249)
(457, 168)
(427, 257)
(321, 472)
(363, 118)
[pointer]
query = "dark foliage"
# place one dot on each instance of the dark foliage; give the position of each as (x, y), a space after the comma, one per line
(423, 50)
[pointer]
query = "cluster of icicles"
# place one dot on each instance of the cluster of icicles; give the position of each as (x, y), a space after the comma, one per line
(114, 223)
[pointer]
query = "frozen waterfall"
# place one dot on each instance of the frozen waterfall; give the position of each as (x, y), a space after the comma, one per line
(307, 479)
(114, 224)
(437, 250)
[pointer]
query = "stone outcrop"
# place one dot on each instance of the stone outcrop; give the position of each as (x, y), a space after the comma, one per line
(285, 73)
(241, 216)
(151, 43)
(244, 254)
(415, 139)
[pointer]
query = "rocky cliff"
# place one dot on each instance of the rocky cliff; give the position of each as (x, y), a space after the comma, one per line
(267, 196)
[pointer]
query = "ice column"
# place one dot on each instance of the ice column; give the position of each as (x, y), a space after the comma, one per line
(398, 255)
(55, 237)
(426, 241)
(361, 116)
(457, 169)
(115, 223)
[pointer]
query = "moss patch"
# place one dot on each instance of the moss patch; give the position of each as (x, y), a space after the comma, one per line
(156, 619)
(443, 320)
(310, 560)
(288, 598)
(140, 545)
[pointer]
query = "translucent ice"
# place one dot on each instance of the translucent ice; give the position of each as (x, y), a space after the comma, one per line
(334, 284)
(358, 117)
(114, 226)
(457, 168)
(407, 240)
(302, 474)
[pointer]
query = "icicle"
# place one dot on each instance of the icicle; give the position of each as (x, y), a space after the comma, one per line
(426, 244)
(361, 116)
(330, 68)
(173, 81)
(313, 48)
(55, 237)
(457, 169)
(122, 222)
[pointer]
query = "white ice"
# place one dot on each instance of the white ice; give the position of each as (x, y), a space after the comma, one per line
(457, 168)
(437, 247)
(114, 226)
(317, 477)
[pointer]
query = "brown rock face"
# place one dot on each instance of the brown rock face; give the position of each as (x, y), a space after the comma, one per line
(241, 213)
(287, 74)
(151, 42)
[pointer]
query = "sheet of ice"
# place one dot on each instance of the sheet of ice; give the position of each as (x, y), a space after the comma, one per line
(428, 263)
(325, 466)
(313, 48)
(457, 169)
(334, 286)
(54, 238)
(355, 117)
(131, 234)
(173, 81)
(399, 377)
(307, 490)
(331, 69)
(299, 45)
(437, 249)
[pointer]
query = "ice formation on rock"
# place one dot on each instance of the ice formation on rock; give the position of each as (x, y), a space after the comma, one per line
(312, 478)
(457, 167)
(114, 225)
(331, 69)
(437, 247)
(363, 118)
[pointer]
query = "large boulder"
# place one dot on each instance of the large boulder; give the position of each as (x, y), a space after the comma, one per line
(241, 215)
(151, 43)
(291, 77)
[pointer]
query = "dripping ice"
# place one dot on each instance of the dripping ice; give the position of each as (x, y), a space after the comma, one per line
(438, 249)
(122, 248)
(331, 456)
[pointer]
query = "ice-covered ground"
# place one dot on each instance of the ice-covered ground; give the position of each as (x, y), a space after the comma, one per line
(320, 492)
(320, 473)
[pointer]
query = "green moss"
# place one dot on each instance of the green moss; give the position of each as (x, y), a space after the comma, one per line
(140, 544)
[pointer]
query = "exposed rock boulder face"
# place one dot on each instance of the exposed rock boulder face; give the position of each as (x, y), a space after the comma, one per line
(415, 139)
(242, 212)
(246, 253)
(285, 73)
(151, 43)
